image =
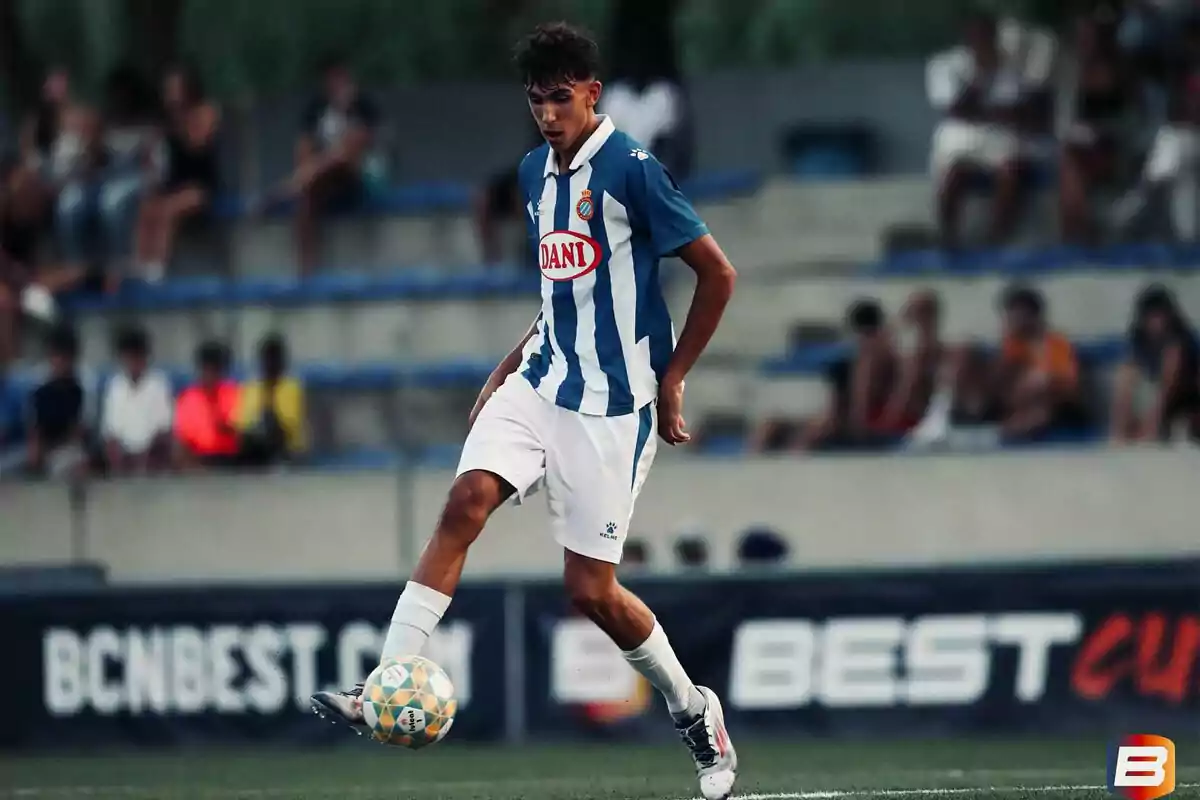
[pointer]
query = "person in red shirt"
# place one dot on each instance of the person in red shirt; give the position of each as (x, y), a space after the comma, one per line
(206, 412)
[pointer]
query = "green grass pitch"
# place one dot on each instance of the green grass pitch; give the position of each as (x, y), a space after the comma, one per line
(770, 770)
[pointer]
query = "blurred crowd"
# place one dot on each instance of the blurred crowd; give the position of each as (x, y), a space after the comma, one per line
(1107, 112)
(135, 422)
(95, 194)
(901, 381)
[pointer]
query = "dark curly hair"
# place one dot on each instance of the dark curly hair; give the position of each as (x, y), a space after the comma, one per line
(557, 52)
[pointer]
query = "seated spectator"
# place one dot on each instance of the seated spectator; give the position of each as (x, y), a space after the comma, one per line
(130, 136)
(1172, 168)
(645, 95)
(332, 154)
(56, 445)
(271, 413)
(206, 412)
(1104, 119)
(136, 425)
(41, 145)
(499, 204)
(189, 183)
(79, 167)
(1164, 350)
(1039, 378)
(1034, 383)
(921, 357)
(862, 386)
(988, 91)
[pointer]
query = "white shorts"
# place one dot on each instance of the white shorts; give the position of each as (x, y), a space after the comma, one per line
(956, 141)
(594, 466)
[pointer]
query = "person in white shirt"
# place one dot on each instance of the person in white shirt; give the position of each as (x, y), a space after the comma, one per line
(136, 423)
(983, 89)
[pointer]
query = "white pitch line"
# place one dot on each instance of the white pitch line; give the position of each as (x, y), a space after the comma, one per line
(837, 793)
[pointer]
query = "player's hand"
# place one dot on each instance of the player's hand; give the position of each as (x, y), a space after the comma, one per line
(671, 425)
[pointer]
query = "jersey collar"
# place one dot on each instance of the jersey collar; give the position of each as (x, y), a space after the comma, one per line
(589, 149)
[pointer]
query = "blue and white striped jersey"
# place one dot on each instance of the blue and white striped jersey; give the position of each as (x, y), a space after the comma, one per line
(604, 335)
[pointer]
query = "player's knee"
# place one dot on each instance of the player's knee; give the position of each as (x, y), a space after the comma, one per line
(590, 593)
(471, 501)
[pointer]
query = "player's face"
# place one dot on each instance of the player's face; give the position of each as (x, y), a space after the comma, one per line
(563, 111)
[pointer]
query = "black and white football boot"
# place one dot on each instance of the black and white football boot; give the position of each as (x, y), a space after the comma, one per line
(344, 708)
(708, 742)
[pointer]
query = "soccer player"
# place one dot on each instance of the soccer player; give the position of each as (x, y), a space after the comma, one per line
(578, 402)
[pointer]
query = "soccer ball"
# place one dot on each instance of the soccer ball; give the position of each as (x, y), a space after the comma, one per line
(409, 702)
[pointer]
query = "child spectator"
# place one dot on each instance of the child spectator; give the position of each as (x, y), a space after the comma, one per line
(56, 412)
(190, 182)
(205, 413)
(1163, 349)
(137, 410)
(861, 386)
(271, 412)
(1039, 371)
(921, 357)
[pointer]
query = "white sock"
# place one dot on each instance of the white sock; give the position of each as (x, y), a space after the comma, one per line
(418, 611)
(657, 662)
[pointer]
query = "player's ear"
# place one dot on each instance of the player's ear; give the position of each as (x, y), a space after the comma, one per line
(594, 90)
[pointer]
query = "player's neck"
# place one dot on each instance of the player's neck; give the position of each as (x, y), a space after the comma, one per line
(566, 156)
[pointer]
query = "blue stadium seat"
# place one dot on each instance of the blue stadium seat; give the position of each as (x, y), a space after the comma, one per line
(1032, 263)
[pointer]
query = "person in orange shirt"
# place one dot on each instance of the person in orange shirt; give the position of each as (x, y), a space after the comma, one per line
(206, 412)
(1038, 378)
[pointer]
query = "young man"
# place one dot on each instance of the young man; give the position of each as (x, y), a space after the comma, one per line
(579, 399)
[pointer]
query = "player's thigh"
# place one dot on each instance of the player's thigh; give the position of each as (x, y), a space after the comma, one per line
(507, 437)
(595, 468)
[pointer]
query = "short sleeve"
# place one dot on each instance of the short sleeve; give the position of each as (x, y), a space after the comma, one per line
(662, 207)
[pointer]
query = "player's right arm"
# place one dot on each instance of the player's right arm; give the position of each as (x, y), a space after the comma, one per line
(507, 366)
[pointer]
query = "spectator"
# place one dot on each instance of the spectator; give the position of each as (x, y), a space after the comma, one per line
(41, 145)
(78, 167)
(987, 91)
(56, 413)
(862, 385)
(136, 423)
(206, 412)
(1099, 138)
(336, 138)
(1164, 350)
(1172, 168)
(271, 412)
(1032, 387)
(18, 243)
(500, 204)
(191, 123)
(920, 361)
(129, 138)
(645, 95)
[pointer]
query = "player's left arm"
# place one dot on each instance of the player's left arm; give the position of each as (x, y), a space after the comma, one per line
(715, 278)
(676, 229)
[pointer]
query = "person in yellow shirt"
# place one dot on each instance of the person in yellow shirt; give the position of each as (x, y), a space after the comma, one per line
(271, 410)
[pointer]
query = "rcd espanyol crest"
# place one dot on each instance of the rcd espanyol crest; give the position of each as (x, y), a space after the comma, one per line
(585, 208)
